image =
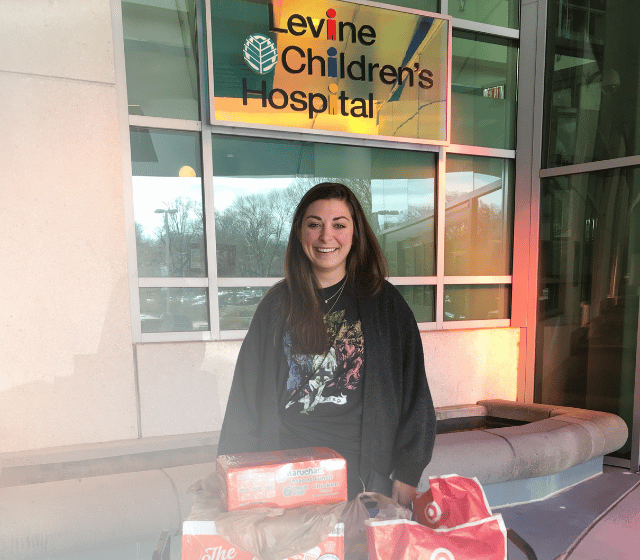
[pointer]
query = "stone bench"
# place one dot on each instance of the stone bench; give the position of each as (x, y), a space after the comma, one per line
(558, 447)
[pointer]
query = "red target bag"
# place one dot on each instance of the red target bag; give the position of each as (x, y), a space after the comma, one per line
(401, 539)
(451, 500)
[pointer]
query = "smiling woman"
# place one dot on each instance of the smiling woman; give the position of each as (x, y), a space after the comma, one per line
(326, 236)
(333, 322)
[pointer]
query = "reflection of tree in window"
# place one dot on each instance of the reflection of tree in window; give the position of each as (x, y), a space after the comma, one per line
(185, 239)
(253, 231)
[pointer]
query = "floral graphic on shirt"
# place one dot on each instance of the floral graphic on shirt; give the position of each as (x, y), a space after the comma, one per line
(326, 378)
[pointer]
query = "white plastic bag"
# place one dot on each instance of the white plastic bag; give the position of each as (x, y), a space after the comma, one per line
(368, 505)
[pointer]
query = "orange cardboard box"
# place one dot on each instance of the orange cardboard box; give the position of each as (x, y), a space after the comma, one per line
(200, 541)
(285, 479)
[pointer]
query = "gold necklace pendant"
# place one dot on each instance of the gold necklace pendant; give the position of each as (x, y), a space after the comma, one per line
(338, 294)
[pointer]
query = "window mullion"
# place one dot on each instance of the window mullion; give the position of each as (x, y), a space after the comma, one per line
(440, 212)
(204, 49)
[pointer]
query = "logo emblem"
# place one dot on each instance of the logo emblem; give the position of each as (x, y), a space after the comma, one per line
(442, 554)
(260, 53)
(432, 512)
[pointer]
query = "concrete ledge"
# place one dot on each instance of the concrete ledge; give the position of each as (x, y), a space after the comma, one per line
(483, 455)
(460, 411)
(68, 516)
(114, 457)
(69, 500)
(555, 440)
(513, 492)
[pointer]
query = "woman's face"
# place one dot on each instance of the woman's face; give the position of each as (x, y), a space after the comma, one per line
(326, 235)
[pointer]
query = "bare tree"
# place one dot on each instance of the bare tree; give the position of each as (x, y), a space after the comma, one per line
(253, 231)
(256, 227)
(186, 232)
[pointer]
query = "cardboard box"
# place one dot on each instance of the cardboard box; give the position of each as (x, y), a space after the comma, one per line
(200, 541)
(285, 479)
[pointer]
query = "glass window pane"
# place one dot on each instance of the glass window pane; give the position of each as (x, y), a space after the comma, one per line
(477, 302)
(421, 300)
(167, 203)
(424, 5)
(160, 46)
(174, 309)
(587, 331)
(483, 90)
(591, 97)
(505, 13)
(259, 183)
(478, 216)
(237, 306)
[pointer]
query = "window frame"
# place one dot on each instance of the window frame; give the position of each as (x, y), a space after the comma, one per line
(207, 132)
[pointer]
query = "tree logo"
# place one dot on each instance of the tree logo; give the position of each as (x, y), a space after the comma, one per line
(260, 53)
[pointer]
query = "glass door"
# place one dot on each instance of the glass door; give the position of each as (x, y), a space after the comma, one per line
(587, 333)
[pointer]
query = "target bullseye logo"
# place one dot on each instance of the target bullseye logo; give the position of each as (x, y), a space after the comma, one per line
(442, 554)
(432, 512)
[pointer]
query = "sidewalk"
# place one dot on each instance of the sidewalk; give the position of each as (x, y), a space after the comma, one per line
(550, 526)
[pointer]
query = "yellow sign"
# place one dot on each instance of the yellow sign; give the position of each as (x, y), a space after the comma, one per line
(331, 66)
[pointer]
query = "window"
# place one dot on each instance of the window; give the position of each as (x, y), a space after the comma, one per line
(212, 206)
(161, 58)
(478, 216)
(503, 13)
(483, 90)
(170, 232)
(591, 95)
(589, 284)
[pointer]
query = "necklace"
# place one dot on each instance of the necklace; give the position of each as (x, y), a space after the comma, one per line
(336, 292)
(334, 295)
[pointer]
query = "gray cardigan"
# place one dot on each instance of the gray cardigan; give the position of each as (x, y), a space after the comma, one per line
(398, 423)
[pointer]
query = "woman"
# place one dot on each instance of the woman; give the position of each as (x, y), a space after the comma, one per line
(333, 356)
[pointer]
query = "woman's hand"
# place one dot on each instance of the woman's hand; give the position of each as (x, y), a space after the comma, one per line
(403, 493)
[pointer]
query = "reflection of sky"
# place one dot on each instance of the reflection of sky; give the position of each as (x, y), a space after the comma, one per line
(400, 194)
(387, 194)
(151, 193)
(464, 182)
(226, 189)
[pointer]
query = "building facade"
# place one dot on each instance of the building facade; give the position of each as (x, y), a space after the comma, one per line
(144, 218)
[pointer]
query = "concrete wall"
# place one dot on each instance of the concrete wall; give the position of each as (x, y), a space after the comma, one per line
(184, 386)
(66, 368)
(67, 363)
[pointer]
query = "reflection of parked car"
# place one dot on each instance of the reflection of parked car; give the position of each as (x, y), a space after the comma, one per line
(200, 300)
(240, 297)
(450, 306)
(251, 296)
(166, 323)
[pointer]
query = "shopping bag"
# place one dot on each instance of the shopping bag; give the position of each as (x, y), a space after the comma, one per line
(408, 540)
(451, 500)
(368, 505)
(277, 533)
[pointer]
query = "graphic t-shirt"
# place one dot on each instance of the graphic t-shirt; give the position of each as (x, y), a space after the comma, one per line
(322, 404)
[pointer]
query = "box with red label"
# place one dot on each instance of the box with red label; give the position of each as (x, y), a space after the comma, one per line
(200, 541)
(285, 479)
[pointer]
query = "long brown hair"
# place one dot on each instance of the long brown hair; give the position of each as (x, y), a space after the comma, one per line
(366, 270)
